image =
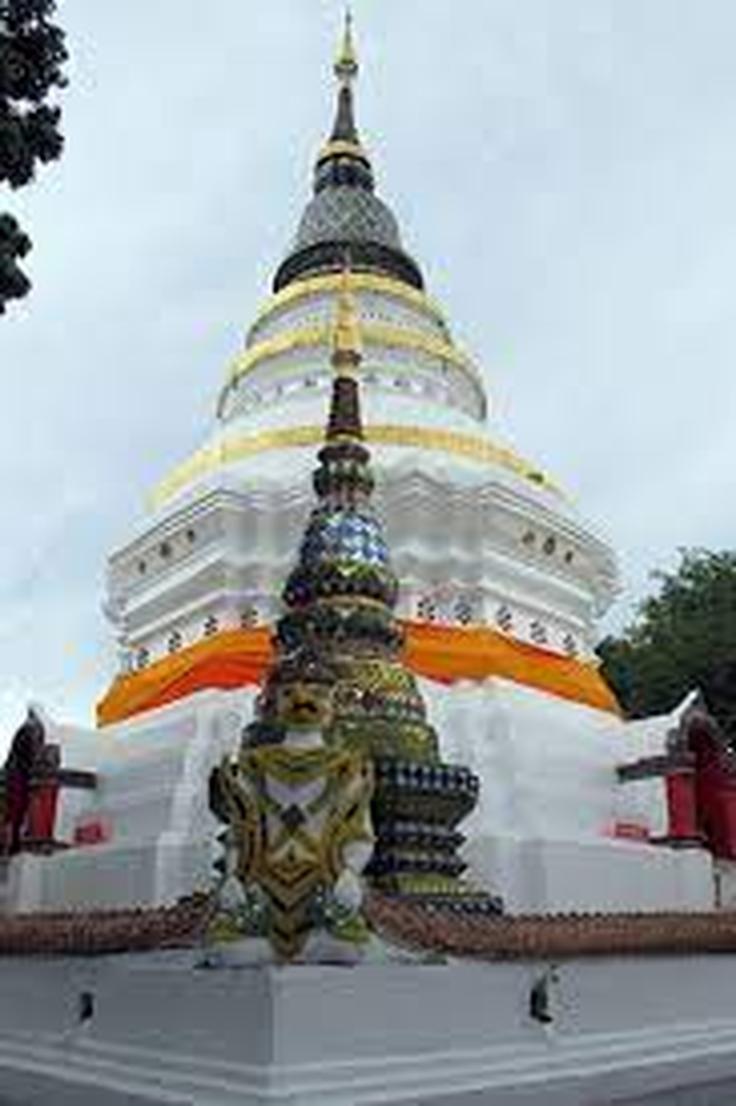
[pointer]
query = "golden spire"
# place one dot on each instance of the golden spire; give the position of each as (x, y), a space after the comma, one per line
(344, 140)
(347, 347)
(346, 62)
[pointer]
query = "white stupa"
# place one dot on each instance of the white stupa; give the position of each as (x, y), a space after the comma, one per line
(501, 587)
(480, 536)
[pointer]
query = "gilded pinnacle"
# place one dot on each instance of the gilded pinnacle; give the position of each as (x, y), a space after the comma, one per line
(346, 63)
(347, 347)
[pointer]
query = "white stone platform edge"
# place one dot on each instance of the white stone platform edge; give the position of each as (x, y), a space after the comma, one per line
(450, 1034)
(591, 875)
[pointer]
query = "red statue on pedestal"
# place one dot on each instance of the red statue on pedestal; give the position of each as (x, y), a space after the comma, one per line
(715, 784)
(20, 765)
(43, 799)
(29, 789)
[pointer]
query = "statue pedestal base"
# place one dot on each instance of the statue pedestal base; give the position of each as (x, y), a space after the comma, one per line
(457, 1034)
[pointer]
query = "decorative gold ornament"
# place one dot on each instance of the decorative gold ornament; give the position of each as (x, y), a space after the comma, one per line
(359, 282)
(238, 448)
(347, 346)
(346, 62)
(338, 147)
(378, 675)
(373, 334)
(294, 817)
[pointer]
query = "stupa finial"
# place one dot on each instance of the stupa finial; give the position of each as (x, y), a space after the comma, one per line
(345, 130)
(346, 62)
(345, 214)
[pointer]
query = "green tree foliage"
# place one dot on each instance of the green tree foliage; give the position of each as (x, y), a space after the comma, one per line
(14, 244)
(684, 637)
(32, 54)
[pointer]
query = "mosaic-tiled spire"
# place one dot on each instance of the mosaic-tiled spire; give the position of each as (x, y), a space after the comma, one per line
(340, 596)
(343, 560)
(345, 216)
(339, 639)
(358, 787)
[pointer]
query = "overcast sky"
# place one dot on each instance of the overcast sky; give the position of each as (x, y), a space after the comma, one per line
(565, 172)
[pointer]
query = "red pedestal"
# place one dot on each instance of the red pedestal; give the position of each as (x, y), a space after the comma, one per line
(715, 786)
(717, 814)
(16, 811)
(95, 831)
(41, 820)
(682, 806)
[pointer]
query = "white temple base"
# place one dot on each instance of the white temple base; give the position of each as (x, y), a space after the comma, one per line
(551, 877)
(151, 803)
(109, 877)
(542, 835)
(639, 1030)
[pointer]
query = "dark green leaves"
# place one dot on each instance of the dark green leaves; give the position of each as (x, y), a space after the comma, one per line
(683, 637)
(32, 53)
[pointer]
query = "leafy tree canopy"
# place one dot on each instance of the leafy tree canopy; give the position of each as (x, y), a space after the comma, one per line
(32, 54)
(684, 637)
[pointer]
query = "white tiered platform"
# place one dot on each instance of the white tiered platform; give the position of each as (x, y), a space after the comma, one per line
(542, 835)
(652, 1032)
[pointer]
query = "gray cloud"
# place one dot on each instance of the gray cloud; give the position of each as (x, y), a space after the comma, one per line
(564, 171)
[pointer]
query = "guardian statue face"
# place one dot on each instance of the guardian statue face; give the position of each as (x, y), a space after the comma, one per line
(304, 705)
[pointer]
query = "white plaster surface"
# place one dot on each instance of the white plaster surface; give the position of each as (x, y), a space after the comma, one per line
(455, 1034)
(543, 831)
(454, 528)
(152, 795)
(725, 881)
(537, 876)
(541, 836)
(462, 530)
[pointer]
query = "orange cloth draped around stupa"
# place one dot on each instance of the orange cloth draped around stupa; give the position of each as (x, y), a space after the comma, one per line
(237, 658)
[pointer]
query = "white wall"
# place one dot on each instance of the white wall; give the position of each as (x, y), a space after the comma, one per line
(440, 1034)
(541, 835)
